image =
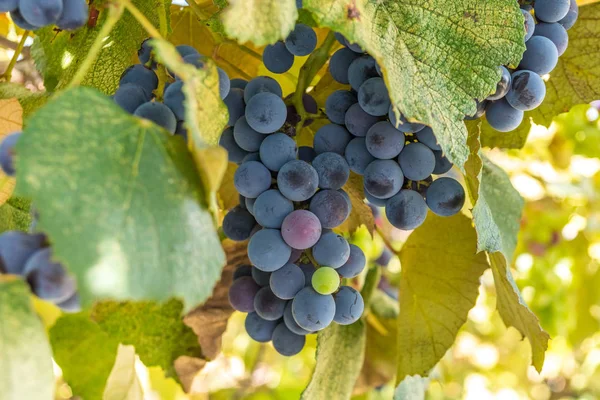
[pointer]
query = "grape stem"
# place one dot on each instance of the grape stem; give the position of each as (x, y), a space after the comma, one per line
(386, 241)
(8, 73)
(307, 73)
(371, 282)
(114, 14)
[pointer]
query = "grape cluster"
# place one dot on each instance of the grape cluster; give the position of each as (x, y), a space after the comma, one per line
(396, 158)
(29, 256)
(36, 14)
(279, 57)
(290, 199)
(138, 84)
(524, 89)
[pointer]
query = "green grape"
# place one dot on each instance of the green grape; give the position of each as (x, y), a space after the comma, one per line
(325, 280)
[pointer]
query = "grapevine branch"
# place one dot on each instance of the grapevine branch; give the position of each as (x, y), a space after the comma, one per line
(8, 73)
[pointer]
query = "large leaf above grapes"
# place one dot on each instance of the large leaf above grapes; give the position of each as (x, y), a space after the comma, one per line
(437, 56)
(121, 201)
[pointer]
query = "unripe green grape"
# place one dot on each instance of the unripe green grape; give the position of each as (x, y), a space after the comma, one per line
(325, 280)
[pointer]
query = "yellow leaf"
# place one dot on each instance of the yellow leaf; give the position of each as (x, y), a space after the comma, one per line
(11, 120)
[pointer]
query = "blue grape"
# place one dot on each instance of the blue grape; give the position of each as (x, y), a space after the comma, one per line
(358, 121)
(145, 52)
(306, 153)
(352, 46)
(41, 13)
(8, 5)
(250, 205)
(445, 197)
(337, 104)
(287, 281)
(417, 161)
(309, 271)
(569, 20)
(277, 58)
(385, 257)
(48, 279)
(442, 164)
(339, 63)
(259, 329)
(298, 3)
(407, 210)
(332, 250)
(355, 265)
(70, 305)
(374, 200)
(502, 116)
(297, 180)
(276, 150)
(235, 152)
(357, 155)
(267, 305)
(129, 97)
(266, 112)
(331, 207)
(286, 342)
(346, 196)
(384, 141)
(251, 179)
(196, 59)
(529, 24)
(239, 83)
(313, 311)
(262, 278)
(290, 322)
(556, 33)
(527, 91)
(301, 229)
(301, 41)
(540, 57)
(16, 248)
(7, 153)
(271, 208)
(235, 105)
(502, 87)
(427, 137)
(158, 113)
(19, 21)
(237, 224)
(480, 110)
(75, 14)
(175, 99)
(360, 70)
(261, 84)
(404, 125)
(268, 251)
(383, 178)
(185, 50)
(551, 10)
(331, 138)
(373, 97)
(224, 83)
(251, 157)
(246, 137)
(242, 293)
(349, 306)
(332, 169)
(242, 270)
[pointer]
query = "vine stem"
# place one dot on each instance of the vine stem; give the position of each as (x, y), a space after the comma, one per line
(371, 282)
(8, 73)
(162, 20)
(386, 241)
(114, 15)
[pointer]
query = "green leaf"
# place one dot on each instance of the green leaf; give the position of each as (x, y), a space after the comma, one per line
(412, 388)
(123, 383)
(141, 234)
(58, 55)
(25, 354)
(340, 354)
(30, 101)
(437, 56)
(492, 138)
(260, 21)
(439, 285)
(14, 215)
(514, 311)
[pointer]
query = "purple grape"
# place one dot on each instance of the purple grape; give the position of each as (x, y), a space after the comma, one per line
(301, 229)
(242, 293)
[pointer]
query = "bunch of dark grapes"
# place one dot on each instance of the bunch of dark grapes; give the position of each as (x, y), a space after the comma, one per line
(524, 89)
(290, 199)
(396, 158)
(138, 85)
(279, 57)
(36, 14)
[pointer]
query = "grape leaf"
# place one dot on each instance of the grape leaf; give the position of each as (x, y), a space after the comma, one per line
(514, 312)
(30, 101)
(411, 388)
(14, 215)
(143, 233)
(11, 120)
(260, 21)
(123, 382)
(439, 285)
(58, 55)
(25, 354)
(492, 138)
(436, 56)
(228, 195)
(332, 378)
